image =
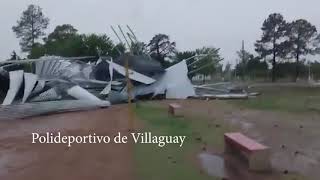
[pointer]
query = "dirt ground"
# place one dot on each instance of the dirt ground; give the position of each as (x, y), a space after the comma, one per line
(293, 138)
(22, 160)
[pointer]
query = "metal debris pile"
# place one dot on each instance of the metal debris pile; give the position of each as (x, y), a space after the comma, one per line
(224, 90)
(80, 84)
(57, 84)
(100, 84)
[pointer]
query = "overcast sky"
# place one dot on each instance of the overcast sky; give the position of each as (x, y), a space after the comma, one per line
(191, 23)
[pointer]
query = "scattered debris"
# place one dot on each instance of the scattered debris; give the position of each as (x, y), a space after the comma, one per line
(60, 79)
(104, 81)
(213, 165)
(224, 90)
(175, 110)
(20, 111)
(199, 139)
(204, 148)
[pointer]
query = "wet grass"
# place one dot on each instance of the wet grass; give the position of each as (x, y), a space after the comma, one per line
(171, 161)
(288, 99)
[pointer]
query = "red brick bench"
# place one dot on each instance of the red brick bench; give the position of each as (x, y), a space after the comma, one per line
(257, 154)
(175, 110)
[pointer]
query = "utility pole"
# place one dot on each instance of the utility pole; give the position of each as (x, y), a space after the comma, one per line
(243, 60)
(129, 90)
(127, 71)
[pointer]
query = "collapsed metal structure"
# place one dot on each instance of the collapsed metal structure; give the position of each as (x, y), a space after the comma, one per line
(51, 84)
(57, 78)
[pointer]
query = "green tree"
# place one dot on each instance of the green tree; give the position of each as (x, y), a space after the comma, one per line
(38, 50)
(30, 27)
(315, 70)
(64, 41)
(179, 56)
(14, 56)
(272, 42)
(97, 45)
(256, 68)
(243, 58)
(160, 48)
(301, 34)
(62, 32)
(227, 72)
(117, 50)
(209, 63)
(138, 48)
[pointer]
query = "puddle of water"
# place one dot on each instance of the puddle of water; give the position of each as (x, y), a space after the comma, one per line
(213, 165)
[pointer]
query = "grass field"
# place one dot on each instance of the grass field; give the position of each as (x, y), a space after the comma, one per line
(173, 162)
(289, 99)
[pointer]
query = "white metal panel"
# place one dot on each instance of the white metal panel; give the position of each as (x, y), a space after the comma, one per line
(132, 74)
(107, 89)
(16, 78)
(52, 67)
(48, 95)
(30, 81)
(40, 86)
(174, 83)
(81, 94)
(39, 66)
(178, 85)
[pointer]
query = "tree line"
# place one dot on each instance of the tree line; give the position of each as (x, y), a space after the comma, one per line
(283, 47)
(66, 41)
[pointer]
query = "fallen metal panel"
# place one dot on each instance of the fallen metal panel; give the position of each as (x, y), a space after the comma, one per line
(49, 95)
(53, 66)
(132, 74)
(177, 82)
(174, 83)
(20, 111)
(212, 89)
(225, 96)
(45, 58)
(50, 69)
(81, 94)
(40, 86)
(30, 81)
(143, 64)
(39, 66)
(46, 69)
(107, 89)
(16, 78)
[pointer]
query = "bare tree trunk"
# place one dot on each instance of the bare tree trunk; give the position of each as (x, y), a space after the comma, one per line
(297, 62)
(297, 68)
(32, 33)
(204, 79)
(273, 76)
(274, 60)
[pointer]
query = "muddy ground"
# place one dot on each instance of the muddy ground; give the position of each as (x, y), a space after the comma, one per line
(22, 160)
(292, 137)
